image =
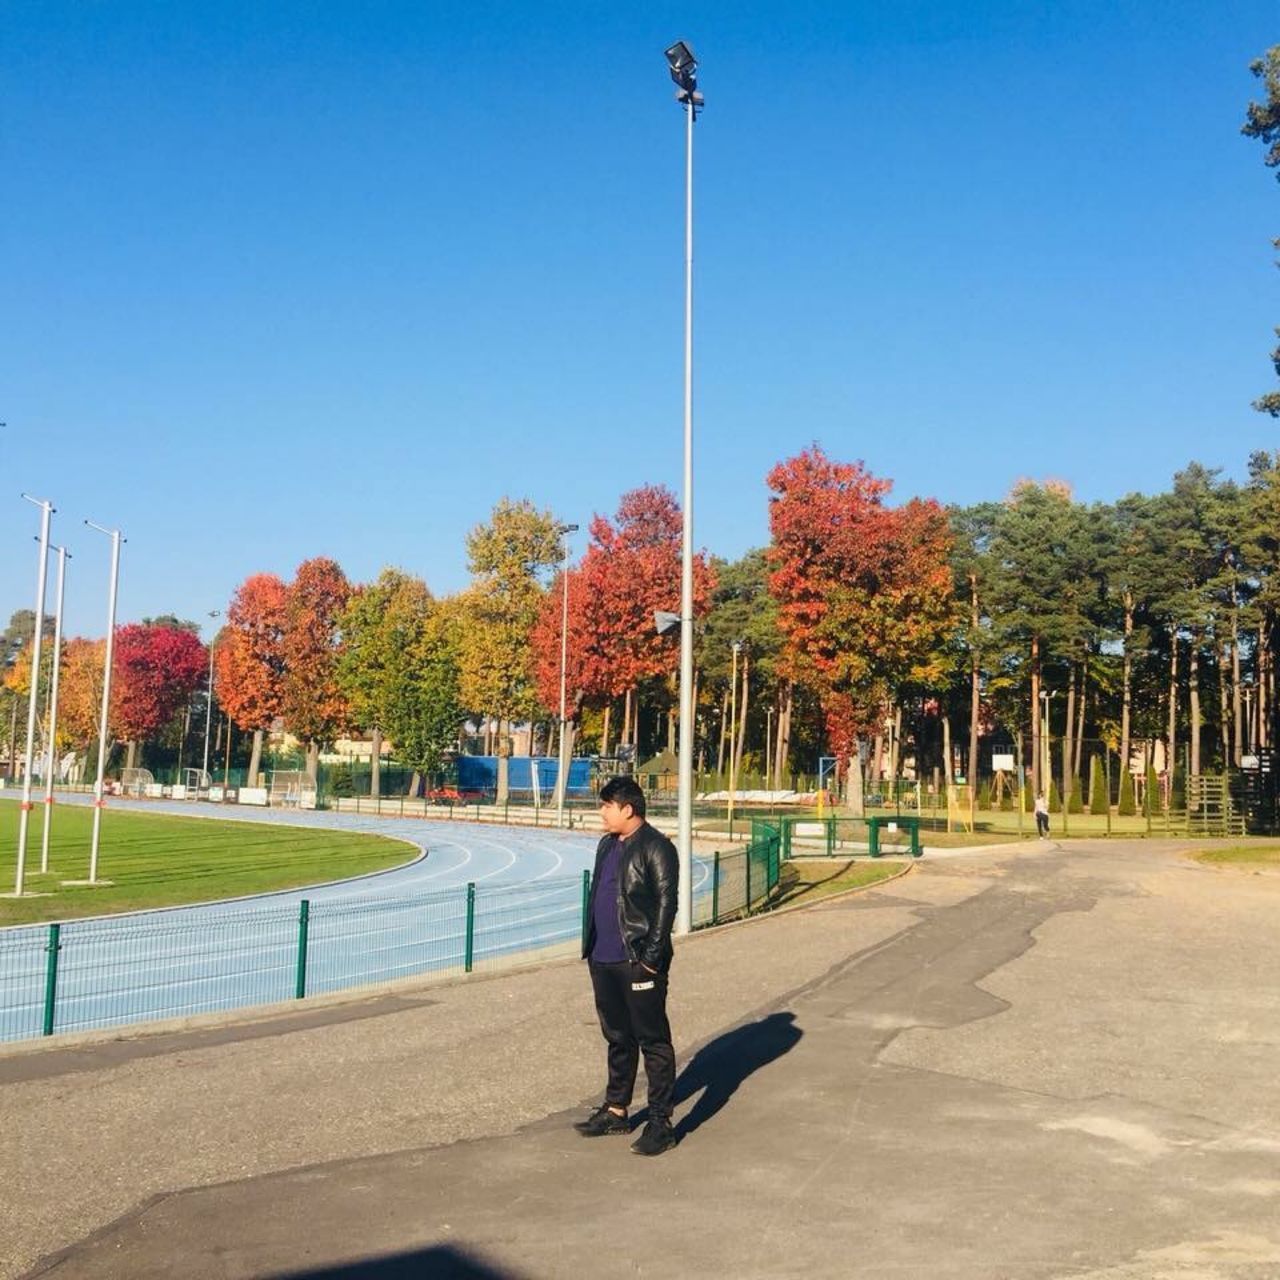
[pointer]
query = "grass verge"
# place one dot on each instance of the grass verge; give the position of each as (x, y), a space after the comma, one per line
(812, 879)
(1259, 854)
(155, 860)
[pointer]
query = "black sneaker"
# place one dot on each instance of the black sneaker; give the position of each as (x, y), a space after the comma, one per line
(602, 1121)
(658, 1136)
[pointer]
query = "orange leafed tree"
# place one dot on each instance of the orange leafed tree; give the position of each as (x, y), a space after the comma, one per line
(631, 569)
(312, 702)
(862, 588)
(248, 658)
(80, 691)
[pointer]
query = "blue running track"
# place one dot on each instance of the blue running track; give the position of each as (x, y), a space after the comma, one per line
(412, 919)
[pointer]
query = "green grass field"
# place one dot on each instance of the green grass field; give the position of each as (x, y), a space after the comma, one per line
(158, 861)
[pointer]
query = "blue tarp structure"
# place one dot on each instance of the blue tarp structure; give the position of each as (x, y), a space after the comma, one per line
(480, 773)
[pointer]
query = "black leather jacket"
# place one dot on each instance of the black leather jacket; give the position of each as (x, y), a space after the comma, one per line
(648, 878)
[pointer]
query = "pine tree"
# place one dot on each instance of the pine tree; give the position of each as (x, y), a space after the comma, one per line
(1055, 800)
(1099, 800)
(1076, 803)
(1127, 806)
(1153, 789)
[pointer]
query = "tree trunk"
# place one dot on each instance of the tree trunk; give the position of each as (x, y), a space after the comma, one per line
(1077, 758)
(130, 755)
(375, 764)
(1173, 696)
(895, 748)
(724, 733)
(1037, 783)
(1262, 738)
(1226, 731)
(313, 760)
(1237, 711)
(255, 757)
(604, 733)
(782, 745)
(1068, 737)
(626, 718)
(857, 805)
(1193, 681)
(946, 753)
(742, 714)
(975, 680)
(1127, 682)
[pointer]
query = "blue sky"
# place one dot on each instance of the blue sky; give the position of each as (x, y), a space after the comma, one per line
(291, 279)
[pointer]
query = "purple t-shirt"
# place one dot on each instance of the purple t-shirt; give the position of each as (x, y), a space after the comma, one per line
(608, 947)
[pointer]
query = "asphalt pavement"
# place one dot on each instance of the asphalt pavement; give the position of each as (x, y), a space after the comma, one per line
(1039, 1061)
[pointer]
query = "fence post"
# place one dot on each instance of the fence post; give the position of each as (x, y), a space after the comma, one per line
(471, 925)
(747, 903)
(873, 837)
(304, 925)
(51, 977)
(715, 889)
(586, 902)
(915, 840)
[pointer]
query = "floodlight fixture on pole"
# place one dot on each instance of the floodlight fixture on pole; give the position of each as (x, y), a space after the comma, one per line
(42, 573)
(51, 755)
(208, 711)
(664, 621)
(99, 799)
(562, 768)
(684, 68)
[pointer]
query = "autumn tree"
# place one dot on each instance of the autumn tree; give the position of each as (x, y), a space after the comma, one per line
(398, 671)
(155, 670)
(80, 692)
(249, 659)
(863, 589)
(509, 557)
(311, 701)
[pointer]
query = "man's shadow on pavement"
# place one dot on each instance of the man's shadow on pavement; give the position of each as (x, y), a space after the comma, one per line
(718, 1068)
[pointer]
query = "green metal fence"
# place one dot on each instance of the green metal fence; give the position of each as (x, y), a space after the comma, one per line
(849, 837)
(86, 974)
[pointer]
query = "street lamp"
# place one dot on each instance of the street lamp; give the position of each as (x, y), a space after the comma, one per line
(208, 711)
(42, 573)
(684, 70)
(99, 800)
(733, 733)
(562, 769)
(63, 557)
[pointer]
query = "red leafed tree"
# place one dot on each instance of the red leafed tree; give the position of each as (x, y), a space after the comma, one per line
(631, 569)
(862, 588)
(313, 706)
(155, 670)
(248, 658)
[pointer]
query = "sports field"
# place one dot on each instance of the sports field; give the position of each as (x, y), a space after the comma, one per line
(157, 860)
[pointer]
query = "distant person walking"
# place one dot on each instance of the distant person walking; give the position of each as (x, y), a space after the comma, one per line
(1042, 816)
(627, 947)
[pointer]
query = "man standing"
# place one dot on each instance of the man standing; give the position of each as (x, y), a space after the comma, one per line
(628, 949)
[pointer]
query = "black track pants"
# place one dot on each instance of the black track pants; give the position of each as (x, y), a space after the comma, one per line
(632, 1005)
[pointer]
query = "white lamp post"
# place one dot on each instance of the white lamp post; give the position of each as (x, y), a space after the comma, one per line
(562, 768)
(51, 755)
(208, 711)
(684, 70)
(99, 800)
(42, 573)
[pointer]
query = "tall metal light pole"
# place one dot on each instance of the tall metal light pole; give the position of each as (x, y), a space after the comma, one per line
(51, 755)
(684, 71)
(562, 768)
(42, 573)
(733, 733)
(99, 800)
(208, 712)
